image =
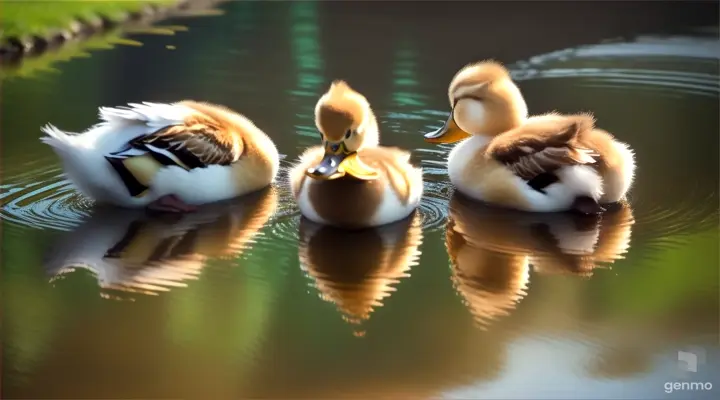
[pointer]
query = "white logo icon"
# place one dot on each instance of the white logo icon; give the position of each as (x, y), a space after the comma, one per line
(689, 360)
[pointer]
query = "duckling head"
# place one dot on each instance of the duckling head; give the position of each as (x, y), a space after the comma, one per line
(347, 124)
(483, 101)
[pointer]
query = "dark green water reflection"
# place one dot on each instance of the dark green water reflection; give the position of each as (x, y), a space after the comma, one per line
(246, 300)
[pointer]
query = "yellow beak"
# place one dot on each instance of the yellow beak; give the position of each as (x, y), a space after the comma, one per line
(335, 165)
(448, 133)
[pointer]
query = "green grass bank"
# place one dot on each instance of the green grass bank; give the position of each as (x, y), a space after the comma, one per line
(30, 28)
(43, 18)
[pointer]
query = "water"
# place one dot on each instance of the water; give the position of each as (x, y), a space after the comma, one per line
(246, 300)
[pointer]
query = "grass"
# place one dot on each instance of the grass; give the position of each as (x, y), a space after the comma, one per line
(24, 18)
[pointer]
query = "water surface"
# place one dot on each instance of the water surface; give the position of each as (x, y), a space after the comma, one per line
(246, 300)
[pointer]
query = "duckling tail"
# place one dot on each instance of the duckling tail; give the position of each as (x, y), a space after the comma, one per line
(55, 137)
(586, 205)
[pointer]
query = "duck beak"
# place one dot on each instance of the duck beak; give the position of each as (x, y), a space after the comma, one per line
(338, 162)
(448, 133)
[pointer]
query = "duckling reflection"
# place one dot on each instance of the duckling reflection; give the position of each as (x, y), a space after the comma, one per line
(491, 250)
(133, 251)
(357, 270)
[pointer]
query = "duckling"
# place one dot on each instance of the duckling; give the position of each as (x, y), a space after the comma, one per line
(167, 157)
(350, 181)
(544, 163)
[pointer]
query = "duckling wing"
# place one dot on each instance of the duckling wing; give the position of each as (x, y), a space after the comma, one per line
(194, 144)
(543, 146)
(394, 165)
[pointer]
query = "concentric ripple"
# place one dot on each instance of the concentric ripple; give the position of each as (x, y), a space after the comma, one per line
(43, 200)
(437, 190)
(645, 63)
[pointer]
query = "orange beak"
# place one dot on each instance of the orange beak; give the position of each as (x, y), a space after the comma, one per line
(448, 133)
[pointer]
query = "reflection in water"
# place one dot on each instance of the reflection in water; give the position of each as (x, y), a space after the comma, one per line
(622, 361)
(578, 244)
(305, 34)
(492, 249)
(30, 67)
(405, 79)
(357, 270)
(131, 251)
(306, 49)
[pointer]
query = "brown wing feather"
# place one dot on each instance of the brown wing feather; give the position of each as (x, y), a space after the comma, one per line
(543, 145)
(197, 143)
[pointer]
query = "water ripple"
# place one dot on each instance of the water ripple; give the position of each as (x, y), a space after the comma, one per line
(647, 62)
(437, 190)
(43, 199)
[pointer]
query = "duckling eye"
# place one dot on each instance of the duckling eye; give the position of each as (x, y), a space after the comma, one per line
(348, 133)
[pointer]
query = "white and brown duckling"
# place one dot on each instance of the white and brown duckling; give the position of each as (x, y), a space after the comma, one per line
(350, 181)
(168, 157)
(543, 163)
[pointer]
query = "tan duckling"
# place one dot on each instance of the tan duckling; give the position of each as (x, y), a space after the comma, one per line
(350, 181)
(543, 163)
(358, 269)
(131, 251)
(168, 157)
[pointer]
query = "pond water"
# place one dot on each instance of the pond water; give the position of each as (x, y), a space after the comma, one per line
(246, 300)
